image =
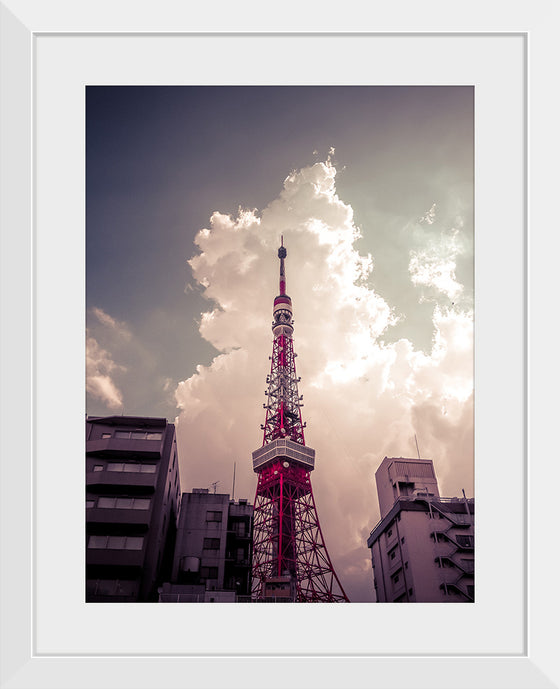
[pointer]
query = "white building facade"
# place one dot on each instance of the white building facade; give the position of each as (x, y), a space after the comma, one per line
(422, 549)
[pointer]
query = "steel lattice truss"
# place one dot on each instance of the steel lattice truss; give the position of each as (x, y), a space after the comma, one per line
(283, 408)
(288, 538)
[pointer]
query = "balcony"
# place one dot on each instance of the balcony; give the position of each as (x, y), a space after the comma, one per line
(117, 516)
(120, 558)
(124, 447)
(120, 478)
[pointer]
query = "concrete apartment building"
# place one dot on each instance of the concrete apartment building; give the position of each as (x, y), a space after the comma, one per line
(212, 561)
(132, 505)
(422, 549)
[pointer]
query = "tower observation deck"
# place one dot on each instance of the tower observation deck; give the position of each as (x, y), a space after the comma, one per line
(288, 545)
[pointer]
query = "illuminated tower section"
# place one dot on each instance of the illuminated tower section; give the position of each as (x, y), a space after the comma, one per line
(290, 558)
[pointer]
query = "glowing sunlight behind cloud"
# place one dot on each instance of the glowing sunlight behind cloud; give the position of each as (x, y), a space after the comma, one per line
(364, 399)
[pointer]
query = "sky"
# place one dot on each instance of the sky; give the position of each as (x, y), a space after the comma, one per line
(188, 191)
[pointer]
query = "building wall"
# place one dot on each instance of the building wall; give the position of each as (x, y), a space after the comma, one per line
(201, 539)
(423, 551)
(213, 547)
(237, 575)
(402, 476)
(423, 548)
(132, 503)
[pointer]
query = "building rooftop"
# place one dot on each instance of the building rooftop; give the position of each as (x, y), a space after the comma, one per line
(410, 503)
(137, 421)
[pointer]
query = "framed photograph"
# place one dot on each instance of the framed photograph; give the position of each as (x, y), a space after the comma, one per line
(51, 53)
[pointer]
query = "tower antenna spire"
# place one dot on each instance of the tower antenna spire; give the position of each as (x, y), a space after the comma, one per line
(282, 253)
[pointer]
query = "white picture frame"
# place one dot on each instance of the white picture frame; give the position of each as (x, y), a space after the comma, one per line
(47, 640)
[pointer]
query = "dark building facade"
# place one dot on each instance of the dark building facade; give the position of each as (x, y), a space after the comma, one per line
(212, 561)
(132, 505)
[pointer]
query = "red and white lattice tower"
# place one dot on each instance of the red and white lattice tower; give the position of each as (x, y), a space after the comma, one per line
(290, 559)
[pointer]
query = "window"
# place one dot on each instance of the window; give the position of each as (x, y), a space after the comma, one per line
(131, 467)
(467, 565)
(470, 590)
(110, 587)
(208, 572)
(211, 544)
(389, 533)
(89, 504)
(138, 435)
(213, 516)
(393, 553)
(402, 539)
(123, 503)
(97, 542)
(98, 467)
(239, 528)
(395, 579)
(116, 542)
(134, 542)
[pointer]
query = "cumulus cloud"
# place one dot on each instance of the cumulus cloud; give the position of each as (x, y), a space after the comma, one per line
(433, 267)
(364, 399)
(99, 367)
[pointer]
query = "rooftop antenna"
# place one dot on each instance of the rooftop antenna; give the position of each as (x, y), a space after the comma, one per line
(233, 486)
(214, 485)
(466, 502)
(417, 450)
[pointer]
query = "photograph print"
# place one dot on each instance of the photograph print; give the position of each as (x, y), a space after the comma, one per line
(279, 344)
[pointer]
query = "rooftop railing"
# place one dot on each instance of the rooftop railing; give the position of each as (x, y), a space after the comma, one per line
(424, 498)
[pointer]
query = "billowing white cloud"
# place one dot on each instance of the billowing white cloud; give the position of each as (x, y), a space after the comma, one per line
(434, 265)
(99, 366)
(364, 399)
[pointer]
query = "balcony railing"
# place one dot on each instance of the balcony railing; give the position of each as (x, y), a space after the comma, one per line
(123, 447)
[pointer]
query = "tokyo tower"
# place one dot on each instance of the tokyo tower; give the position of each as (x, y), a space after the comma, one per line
(290, 559)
